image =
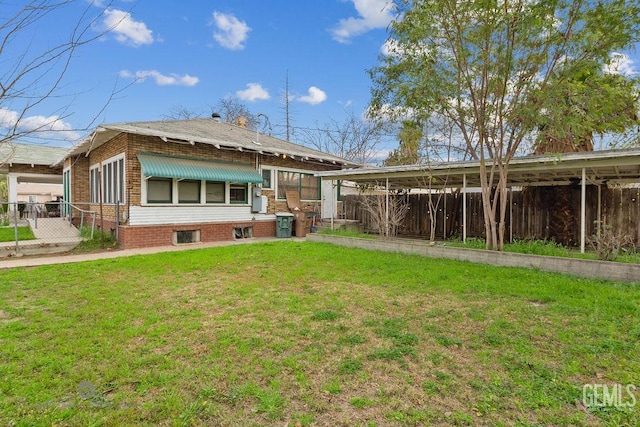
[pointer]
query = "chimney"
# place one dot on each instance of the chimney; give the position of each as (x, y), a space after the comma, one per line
(242, 121)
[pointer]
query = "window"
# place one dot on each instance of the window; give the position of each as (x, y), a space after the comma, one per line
(159, 190)
(94, 182)
(242, 232)
(112, 181)
(188, 191)
(186, 236)
(307, 185)
(66, 191)
(266, 178)
(214, 192)
(238, 193)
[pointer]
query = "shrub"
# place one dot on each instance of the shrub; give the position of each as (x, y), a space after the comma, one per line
(610, 244)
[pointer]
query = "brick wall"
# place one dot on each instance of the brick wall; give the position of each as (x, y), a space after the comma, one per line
(141, 143)
(162, 235)
(79, 180)
(147, 236)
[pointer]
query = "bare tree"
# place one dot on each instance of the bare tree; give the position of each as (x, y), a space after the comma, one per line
(231, 110)
(354, 139)
(386, 212)
(30, 75)
(181, 112)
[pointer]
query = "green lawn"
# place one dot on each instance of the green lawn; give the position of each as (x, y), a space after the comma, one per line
(7, 234)
(549, 248)
(304, 333)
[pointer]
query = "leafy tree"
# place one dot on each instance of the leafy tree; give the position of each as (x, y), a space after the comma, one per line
(582, 107)
(488, 65)
(585, 101)
(4, 189)
(410, 142)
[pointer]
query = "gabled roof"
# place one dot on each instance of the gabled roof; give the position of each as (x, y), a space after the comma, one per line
(622, 166)
(30, 154)
(207, 131)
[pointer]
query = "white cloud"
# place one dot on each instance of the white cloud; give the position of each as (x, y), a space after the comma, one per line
(43, 126)
(254, 92)
(125, 29)
(620, 64)
(8, 118)
(315, 96)
(231, 32)
(160, 79)
(373, 14)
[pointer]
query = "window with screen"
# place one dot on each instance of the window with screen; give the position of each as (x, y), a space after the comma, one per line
(159, 190)
(307, 185)
(113, 180)
(266, 178)
(214, 192)
(188, 191)
(238, 193)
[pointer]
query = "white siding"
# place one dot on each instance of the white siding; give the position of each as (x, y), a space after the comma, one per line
(160, 215)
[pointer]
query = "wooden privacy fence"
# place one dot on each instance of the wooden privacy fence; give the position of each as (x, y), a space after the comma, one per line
(528, 215)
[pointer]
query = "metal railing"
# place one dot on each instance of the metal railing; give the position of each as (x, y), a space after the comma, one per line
(60, 209)
(45, 225)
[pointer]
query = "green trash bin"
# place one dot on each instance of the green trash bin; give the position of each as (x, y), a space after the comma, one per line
(284, 222)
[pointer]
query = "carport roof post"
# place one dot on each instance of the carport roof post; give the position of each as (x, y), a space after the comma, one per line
(595, 167)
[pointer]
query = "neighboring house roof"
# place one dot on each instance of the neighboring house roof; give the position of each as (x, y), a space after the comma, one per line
(30, 154)
(207, 131)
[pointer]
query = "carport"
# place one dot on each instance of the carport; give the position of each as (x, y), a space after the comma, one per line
(585, 168)
(24, 163)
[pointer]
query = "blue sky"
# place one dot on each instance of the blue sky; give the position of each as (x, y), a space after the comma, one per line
(162, 55)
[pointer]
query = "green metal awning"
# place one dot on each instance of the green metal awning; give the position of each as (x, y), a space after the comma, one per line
(178, 167)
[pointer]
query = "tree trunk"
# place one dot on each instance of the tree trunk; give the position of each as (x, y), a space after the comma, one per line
(489, 217)
(558, 200)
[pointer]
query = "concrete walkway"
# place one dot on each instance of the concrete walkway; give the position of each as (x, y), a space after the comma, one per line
(54, 229)
(65, 259)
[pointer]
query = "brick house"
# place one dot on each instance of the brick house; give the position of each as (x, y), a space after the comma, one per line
(194, 180)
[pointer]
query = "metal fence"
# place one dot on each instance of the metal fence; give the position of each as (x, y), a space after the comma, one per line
(43, 228)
